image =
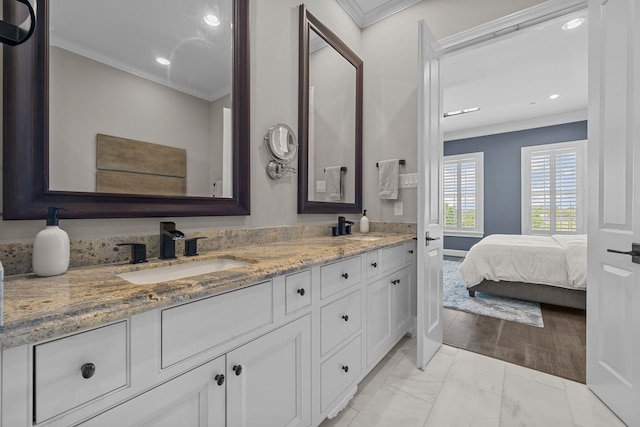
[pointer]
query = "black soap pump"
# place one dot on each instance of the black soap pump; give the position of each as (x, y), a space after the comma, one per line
(51, 248)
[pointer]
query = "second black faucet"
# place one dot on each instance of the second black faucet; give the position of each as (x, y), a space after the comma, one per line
(168, 237)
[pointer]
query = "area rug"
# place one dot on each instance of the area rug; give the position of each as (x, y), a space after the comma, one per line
(456, 296)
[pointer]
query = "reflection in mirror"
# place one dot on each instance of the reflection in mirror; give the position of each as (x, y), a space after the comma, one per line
(162, 86)
(174, 117)
(332, 118)
(329, 121)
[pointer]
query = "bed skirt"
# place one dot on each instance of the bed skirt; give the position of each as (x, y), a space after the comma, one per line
(574, 298)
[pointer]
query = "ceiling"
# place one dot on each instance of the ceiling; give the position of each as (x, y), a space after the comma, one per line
(129, 35)
(509, 79)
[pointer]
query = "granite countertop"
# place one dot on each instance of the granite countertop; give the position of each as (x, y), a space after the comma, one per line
(40, 308)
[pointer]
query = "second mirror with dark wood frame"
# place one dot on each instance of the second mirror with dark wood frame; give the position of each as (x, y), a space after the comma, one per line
(26, 192)
(311, 147)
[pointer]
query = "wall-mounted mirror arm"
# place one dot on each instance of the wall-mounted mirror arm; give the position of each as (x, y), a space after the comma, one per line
(13, 35)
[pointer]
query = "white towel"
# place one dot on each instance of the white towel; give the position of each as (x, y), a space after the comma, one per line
(333, 183)
(388, 177)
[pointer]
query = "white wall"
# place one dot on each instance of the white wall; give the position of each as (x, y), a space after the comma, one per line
(88, 97)
(389, 51)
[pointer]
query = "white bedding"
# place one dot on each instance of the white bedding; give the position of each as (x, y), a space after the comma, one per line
(558, 260)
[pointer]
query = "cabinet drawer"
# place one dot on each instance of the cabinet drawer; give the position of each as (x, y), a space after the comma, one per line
(192, 328)
(410, 252)
(372, 266)
(61, 365)
(339, 372)
(338, 276)
(339, 320)
(297, 291)
(392, 258)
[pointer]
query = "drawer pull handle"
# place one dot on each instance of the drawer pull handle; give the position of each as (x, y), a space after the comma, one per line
(345, 368)
(395, 282)
(346, 318)
(374, 264)
(411, 251)
(345, 275)
(301, 292)
(237, 369)
(219, 379)
(88, 369)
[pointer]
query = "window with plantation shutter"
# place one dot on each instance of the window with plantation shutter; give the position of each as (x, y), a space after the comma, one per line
(553, 188)
(463, 195)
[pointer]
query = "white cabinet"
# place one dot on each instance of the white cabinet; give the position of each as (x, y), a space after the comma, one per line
(192, 328)
(74, 370)
(285, 352)
(389, 312)
(264, 383)
(339, 320)
(339, 372)
(269, 379)
(194, 399)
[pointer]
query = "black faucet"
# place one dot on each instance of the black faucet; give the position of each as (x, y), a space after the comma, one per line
(341, 226)
(168, 237)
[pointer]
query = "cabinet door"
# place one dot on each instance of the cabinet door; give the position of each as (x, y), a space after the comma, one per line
(402, 301)
(193, 399)
(269, 382)
(380, 328)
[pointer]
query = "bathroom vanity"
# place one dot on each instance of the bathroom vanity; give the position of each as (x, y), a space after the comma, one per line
(281, 341)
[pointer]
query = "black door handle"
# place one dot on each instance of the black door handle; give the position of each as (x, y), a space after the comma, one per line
(634, 252)
(219, 379)
(237, 369)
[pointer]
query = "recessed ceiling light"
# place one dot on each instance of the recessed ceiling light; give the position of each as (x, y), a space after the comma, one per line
(212, 20)
(463, 111)
(554, 96)
(163, 61)
(574, 23)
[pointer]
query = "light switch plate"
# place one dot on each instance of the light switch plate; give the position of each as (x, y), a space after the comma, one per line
(398, 208)
(408, 180)
(321, 186)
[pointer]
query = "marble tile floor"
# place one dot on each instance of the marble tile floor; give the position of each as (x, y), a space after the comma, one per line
(461, 388)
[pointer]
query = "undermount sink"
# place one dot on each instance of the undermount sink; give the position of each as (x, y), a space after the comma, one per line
(364, 238)
(180, 271)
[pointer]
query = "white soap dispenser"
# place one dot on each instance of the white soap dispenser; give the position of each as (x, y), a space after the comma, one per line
(51, 248)
(364, 223)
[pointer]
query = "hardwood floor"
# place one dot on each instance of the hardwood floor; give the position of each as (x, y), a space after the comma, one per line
(558, 349)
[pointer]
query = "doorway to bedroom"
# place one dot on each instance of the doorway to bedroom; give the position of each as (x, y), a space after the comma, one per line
(524, 91)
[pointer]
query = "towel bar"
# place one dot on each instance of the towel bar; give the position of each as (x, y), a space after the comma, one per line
(342, 169)
(402, 162)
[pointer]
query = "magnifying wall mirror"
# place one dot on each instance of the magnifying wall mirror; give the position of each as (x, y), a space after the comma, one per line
(329, 121)
(109, 117)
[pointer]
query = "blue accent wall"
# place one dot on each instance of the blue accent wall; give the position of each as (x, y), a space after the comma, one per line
(502, 178)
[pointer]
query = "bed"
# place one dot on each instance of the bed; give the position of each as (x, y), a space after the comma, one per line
(547, 269)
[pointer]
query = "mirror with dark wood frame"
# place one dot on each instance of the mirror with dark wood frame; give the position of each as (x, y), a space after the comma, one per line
(345, 138)
(26, 182)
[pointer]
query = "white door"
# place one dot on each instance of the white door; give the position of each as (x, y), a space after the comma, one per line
(429, 210)
(194, 399)
(613, 296)
(269, 379)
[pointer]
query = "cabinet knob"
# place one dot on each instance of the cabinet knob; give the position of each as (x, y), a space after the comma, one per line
(88, 369)
(345, 275)
(411, 251)
(346, 318)
(219, 379)
(237, 369)
(301, 292)
(345, 368)
(374, 264)
(395, 282)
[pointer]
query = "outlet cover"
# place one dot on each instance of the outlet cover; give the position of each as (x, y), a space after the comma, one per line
(398, 208)
(321, 186)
